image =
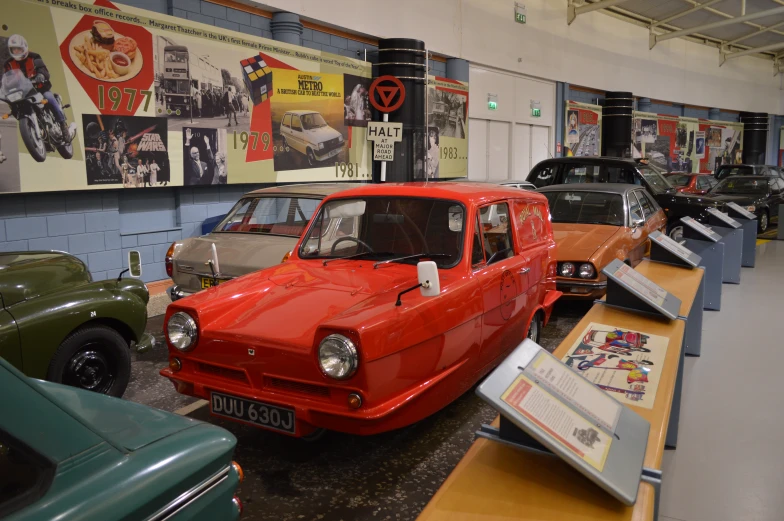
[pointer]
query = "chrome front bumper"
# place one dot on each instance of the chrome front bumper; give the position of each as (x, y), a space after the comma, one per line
(176, 293)
(587, 289)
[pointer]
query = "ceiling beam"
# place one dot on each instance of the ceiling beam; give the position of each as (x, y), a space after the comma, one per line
(573, 11)
(656, 38)
(684, 13)
(760, 31)
(753, 50)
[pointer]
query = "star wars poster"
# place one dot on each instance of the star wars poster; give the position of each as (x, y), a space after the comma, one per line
(626, 363)
(130, 151)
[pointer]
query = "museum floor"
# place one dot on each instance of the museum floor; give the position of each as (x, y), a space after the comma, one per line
(728, 465)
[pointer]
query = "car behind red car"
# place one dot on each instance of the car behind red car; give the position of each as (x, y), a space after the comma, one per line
(379, 328)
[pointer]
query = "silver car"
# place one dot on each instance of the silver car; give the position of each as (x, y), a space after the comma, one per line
(258, 232)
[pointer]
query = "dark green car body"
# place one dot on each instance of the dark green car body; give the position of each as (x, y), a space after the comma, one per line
(71, 454)
(45, 297)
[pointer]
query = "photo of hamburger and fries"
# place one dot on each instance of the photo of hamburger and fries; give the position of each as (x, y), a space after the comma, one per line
(106, 55)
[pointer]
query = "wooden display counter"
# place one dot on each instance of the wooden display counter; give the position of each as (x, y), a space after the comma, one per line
(495, 481)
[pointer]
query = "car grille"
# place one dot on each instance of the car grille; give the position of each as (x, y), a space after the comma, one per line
(298, 387)
(222, 372)
(332, 144)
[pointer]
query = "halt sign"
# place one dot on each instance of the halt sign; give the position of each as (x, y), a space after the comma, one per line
(384, 136)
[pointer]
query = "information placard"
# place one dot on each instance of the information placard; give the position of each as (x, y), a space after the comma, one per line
(741, 211)
(658, 239)
(703, 230)
(588, 428)
(630, 289)
(724, 218)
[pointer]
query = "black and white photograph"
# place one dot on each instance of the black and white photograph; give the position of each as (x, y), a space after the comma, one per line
(647, 130)
(204, 156)
(10, 177)
(681, 135)
(197, 85)
(433, 153)
(447, 112)
(127, 150)
(356, 107)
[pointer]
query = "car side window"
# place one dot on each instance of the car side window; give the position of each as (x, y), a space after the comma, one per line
(496, 232)
(647, 207)
(295, 123)
(635, 209)
(287, 120)
(651, 201)
(617, 174)
(702, 183)
(543, 176)
(24, 475)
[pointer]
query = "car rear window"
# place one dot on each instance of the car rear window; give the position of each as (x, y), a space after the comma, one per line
(270, 216)
(586, 207)
(679, 180)
(25, 475)
(728, 170)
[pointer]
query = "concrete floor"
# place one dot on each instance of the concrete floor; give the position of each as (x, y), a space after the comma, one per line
(729, 464)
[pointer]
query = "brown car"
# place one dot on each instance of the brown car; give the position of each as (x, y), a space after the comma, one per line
(595, 223)
(257, 233)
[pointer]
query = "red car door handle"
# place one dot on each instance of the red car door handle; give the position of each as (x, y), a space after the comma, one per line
(524, 271)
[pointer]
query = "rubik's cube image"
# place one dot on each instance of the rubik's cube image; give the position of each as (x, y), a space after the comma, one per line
(258, 78)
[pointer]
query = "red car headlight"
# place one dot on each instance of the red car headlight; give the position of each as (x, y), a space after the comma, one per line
(182, 331)
(338, 357)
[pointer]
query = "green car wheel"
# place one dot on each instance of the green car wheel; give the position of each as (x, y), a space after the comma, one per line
(94, 358)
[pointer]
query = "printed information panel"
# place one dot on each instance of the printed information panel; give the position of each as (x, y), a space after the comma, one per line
(701, 228)
(741, 211)
(630, 289)
(558, 407)
(674, 247)
(723, 217)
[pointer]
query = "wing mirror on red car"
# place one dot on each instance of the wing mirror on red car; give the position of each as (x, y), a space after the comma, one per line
(427, 273)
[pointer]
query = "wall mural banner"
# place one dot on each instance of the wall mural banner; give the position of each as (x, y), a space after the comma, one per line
(682, 144)
(583, 129)
(447, 130)
(101, 95)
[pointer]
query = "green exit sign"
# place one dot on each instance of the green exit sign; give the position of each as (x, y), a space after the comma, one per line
(520, 18)
(492, 105)
(537, 113)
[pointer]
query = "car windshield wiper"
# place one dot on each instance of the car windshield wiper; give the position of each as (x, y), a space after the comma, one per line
(355, 256)
(415, 256)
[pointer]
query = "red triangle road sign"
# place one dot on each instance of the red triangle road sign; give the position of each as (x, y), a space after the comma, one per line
(387, 94)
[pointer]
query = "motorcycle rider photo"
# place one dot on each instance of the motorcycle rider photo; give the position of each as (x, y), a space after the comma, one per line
(34, 68)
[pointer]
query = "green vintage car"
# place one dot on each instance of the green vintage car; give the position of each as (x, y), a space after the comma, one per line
(74, 455)
(57, 324)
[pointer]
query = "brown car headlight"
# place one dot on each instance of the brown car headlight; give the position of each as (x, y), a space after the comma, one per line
(182, 331)
(338, 357)
(566, 269)
(586, 271)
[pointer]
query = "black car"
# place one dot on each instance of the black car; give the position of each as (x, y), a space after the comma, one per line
(725, 171)
(568, 170)
(757, 194)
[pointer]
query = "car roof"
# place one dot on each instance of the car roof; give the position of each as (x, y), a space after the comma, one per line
(301, 112)
(316, 189)
(590, 159)
(750, 176)
(607, 188)
(466, 191)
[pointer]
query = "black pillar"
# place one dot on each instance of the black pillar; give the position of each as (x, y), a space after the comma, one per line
(405, 59)
(755, 137)
(617, 124)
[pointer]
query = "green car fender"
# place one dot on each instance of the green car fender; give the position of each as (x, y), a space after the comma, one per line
(45, 322)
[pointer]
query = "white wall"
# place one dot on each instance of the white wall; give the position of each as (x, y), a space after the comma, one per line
(597, 50)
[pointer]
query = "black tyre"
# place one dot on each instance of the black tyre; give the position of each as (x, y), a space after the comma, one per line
(311, 158)
(35, 146)
(314, 436)
(535, 328)
(763, 222)
(94, 358)
(676, 232)
(65, 151)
